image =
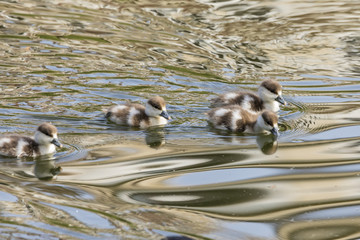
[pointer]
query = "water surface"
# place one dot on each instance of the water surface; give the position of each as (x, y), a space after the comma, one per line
(65, 61)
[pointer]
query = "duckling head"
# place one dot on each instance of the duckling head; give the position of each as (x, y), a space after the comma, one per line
(268, 122)
(46, 134)
(156, 107)
(271, 90)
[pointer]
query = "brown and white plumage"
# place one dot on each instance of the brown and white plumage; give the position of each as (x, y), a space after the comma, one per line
(269, 96)
(236, 119)
(136, 115)
(43, 143)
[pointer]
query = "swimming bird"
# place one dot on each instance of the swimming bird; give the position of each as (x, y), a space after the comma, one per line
(269, 96)
(236, 119)
(136, 115)
(44, 141)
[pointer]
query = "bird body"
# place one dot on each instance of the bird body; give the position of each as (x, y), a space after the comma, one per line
(136, 115)
(268, 98)
(43, 143)
(236, 119)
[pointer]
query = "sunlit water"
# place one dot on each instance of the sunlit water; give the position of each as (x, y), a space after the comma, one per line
(65, 61)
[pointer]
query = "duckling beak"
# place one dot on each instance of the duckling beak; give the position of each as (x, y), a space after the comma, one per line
(280, 99)
(275, 132)
(165, 115)
(56, 142)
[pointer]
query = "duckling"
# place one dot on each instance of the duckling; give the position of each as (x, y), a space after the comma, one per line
(269, 97)
(236, 119)
(43, 143)
(136, 115)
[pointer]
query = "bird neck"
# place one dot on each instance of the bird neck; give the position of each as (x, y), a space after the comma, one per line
(257, 125)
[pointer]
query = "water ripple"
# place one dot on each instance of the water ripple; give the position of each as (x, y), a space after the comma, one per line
(66, 61)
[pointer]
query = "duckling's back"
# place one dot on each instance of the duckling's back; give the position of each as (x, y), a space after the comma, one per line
(232, 117)
(247, 100)
(17, 146)
(128, 114)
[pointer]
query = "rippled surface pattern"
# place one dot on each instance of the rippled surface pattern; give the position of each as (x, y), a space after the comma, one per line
(65, 61)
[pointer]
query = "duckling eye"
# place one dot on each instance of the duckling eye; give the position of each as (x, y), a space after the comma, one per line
(48, 134)
(268, 123)
(156, 106)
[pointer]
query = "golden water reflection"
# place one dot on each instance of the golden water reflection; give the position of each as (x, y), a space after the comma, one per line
(299, 183)
(232, 183)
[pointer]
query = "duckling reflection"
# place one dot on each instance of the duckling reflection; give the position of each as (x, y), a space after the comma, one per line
(155, 137)
(46, 169)
(268, 144)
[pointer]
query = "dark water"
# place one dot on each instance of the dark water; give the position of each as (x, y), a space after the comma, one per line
(63, 61)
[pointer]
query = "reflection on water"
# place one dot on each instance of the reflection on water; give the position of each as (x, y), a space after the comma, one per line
(155, 137)
(63, 61)
(46, 169)
(268, 144)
